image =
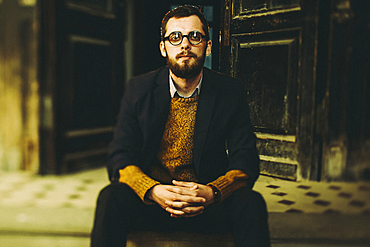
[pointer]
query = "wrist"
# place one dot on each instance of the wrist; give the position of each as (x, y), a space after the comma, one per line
(149, 193)
(216, 194)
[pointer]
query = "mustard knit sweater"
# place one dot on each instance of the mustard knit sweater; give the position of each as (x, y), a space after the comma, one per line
(175, 156)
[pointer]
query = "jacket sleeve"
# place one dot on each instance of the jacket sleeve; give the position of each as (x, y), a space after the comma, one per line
(243, 161)
(229, 183)
(125, 147)
(241, 140)
(138, 181)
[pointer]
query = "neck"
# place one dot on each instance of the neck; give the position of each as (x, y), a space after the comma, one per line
(186, 86)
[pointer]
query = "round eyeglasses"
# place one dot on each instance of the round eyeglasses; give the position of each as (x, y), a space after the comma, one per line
(194, 37)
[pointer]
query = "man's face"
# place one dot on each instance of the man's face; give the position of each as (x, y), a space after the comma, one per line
(185, 60)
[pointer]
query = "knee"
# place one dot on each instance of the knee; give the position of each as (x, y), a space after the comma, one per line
(258, 201)
(114, 192)
(251, 201)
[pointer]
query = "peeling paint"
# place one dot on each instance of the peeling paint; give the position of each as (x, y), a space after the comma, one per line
(19, 88)
(335, 161)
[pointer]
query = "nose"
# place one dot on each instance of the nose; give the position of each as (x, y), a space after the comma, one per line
(185, 44)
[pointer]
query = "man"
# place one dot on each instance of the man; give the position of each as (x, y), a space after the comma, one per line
(183, 155)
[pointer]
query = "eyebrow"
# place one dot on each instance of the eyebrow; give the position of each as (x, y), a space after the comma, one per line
(188, 32)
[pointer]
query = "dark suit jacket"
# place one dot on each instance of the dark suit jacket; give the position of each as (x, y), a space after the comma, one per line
(223, 137)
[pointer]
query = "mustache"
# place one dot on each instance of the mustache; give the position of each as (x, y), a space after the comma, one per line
(186, 54)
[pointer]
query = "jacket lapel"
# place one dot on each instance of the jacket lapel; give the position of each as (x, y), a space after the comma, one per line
(206, 102)
(161, 104)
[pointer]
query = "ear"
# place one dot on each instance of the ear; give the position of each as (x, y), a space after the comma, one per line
(209, 47)
(162, 49)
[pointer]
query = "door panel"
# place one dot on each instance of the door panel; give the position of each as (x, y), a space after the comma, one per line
(88, 82)
(91, 54)
(89, 111)
(102, 7)
(270, 46)
(250, 6)
(268, 64)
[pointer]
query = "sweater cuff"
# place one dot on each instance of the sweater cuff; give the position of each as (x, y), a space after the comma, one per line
(138, 181)
(230, 182)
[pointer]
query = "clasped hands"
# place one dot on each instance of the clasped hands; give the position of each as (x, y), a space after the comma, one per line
(182, 199)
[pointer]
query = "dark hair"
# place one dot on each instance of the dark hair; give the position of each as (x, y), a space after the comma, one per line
(184, 11)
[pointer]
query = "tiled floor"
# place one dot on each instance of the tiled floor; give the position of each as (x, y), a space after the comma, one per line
(314, 197)
(63, 241)
(58, 207)
(76, 190)
(81, 189)
(43, 241)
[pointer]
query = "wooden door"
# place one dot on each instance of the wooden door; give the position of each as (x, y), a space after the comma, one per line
(346, 105)
(82, 81)
(271, 45)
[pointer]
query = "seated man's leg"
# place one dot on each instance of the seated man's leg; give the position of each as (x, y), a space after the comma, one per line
(248, 212)
(244, 214)
(119, 210)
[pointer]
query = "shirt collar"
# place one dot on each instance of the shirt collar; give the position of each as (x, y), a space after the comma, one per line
(173, 89)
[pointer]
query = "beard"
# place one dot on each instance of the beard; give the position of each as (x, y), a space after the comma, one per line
(186, 70)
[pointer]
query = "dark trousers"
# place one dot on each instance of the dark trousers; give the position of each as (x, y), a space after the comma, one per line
(119, 210)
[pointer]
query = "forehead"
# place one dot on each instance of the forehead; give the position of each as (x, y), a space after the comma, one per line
(184, 24)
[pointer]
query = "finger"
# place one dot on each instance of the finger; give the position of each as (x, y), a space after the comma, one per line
(191, 199)
(192, 215)
(187, 215)
(184, 195)
(177, 204)
(186, 212)
(182, 190)
(175, 212)
(175, 189)
(184, 184)
(192, 209)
